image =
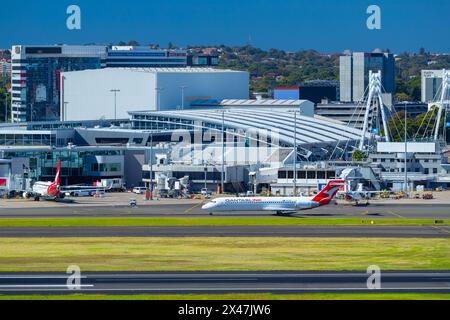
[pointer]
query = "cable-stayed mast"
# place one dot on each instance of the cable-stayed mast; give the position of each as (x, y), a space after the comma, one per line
(445, 87)
(374, 95)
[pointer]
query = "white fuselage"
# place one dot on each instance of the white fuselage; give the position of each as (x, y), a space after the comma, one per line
(282, 204)
(41, 188)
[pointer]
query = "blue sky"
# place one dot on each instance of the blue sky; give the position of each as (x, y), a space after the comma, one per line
(324, 25)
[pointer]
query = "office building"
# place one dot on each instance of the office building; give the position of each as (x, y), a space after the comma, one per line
(36, 72)
(431, 85)
(353, 114)
(35, 77)
(110, 93)
(314, 91)
(143, 57)
(286, 93)
(354, 74)
(202, 60)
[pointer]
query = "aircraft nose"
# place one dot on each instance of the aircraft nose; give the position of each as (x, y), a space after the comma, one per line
(207, 206)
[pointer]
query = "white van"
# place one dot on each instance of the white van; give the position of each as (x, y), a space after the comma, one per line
(139, 190)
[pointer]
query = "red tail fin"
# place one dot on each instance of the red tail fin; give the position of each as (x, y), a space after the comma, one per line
(58, 169)
(328, 193)
(53, 188)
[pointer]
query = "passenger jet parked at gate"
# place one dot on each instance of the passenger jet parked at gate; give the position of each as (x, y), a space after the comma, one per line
(48, 189)
(280, 205)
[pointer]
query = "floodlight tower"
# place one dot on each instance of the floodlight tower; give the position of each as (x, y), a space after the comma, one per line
(375, 94)
(445, 87)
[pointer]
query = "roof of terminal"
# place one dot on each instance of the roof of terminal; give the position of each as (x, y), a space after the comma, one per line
(310, 130)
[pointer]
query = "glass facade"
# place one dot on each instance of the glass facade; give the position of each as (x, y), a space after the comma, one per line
(42, 90)
(20, 139)
(74, 163)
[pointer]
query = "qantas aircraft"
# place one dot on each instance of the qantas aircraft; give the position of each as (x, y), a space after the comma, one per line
(48, 189)
(280, 205)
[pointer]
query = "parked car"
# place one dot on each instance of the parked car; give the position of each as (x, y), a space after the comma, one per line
(79, 193)
(139, 190)
(205, 192)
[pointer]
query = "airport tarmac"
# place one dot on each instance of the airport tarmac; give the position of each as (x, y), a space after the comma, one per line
(231, 231)
(224, 282)
(187, 209)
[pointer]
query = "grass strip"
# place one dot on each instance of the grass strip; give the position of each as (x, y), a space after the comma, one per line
(222, 254)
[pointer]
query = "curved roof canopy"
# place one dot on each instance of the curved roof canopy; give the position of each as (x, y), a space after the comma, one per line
(309, 130)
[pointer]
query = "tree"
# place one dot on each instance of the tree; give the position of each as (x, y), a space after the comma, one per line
(133, 43)
(358, 155)
(401, 96)
(5, 98)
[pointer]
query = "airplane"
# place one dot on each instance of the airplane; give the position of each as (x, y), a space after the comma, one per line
(53, 190)
(48, 189)
(281, 205)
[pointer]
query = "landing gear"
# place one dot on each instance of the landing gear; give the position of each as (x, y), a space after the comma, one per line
(37, 198)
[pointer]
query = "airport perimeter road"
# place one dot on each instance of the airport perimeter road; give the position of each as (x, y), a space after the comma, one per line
(385, 210)
(224, 282)
(231, 231)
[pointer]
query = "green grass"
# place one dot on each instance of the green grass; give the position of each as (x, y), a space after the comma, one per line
(264, 296)
(222, 253)
(210, 221)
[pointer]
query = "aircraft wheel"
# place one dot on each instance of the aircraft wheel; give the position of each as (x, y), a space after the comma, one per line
(36, 198)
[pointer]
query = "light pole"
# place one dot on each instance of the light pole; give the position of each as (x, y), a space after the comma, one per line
(295, 153)
(115, 101)
(182, 96)
(206, 171)
(151, 165)
(406, 155)
(223, 154)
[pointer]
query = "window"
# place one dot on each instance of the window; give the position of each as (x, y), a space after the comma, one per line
(290, 174)
(282, 174)
(435, 170)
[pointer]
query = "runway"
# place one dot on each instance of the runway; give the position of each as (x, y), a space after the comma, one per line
(385, 211)
(224, 282)
(231, 231)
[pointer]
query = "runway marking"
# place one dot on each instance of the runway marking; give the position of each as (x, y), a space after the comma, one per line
(42, 285)
(396, 214)
(441, 229)
(193, 207)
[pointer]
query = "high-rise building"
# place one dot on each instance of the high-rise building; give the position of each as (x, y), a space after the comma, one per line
(36, 69)
(431, 85)
(354, 73)
(35, 77)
